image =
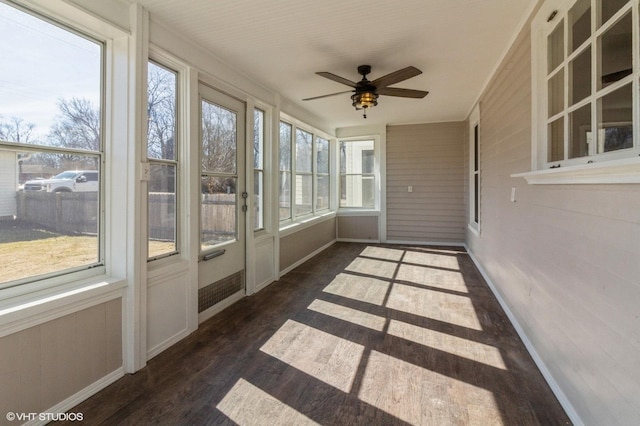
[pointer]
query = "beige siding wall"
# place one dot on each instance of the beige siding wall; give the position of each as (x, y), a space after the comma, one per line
(564, 258)
(430, 158)
(46, 364)
(298, 245)
(358, 228)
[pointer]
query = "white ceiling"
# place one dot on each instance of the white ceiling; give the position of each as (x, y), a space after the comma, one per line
(282, 43)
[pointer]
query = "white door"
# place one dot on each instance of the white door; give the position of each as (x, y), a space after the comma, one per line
(221, 276)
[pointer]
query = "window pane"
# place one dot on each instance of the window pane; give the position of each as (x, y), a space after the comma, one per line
(356, 157)
(616, 129)
(304, 151)
(285, 195)
(322, 153)
(258, 200)
(285, 146)
(615, 44)
(304, 194)
(357, 191)
(218, 213)
(50, 91)
(476, 191)
(161, 112)
(322, 200)
(476, 147)
(556, 141)
(162, 210)
(218, 139)
(580, 137)
(609, 8)
(580, 77)
(258, 138)
(55, 205)
(556, 94)
(555, 47)
(580, 23)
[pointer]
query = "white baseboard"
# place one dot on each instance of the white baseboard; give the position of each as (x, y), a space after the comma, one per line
(426, 243)
(307, 257)
(555, 388)
(78, 397)
(356, 240)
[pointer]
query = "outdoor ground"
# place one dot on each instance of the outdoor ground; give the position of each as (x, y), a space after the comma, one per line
(27, 251)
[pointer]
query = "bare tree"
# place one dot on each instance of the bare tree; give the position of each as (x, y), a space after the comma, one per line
(16, 130)
(161, 113)
(218, 146)
(78, 127)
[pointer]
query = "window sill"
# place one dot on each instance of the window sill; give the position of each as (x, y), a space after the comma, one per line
(610, 172)
(29, 310)
(293, 227)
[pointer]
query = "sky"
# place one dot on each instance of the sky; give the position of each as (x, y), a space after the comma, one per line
(41, 63)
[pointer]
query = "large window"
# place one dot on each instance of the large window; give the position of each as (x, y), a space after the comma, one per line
(323, 178)
(258, 169)
(357, 174)
(285, 170)
(307, 153)
(163, 160)
(51, 153)
(587, 81)
(304, 172)
(474, 170)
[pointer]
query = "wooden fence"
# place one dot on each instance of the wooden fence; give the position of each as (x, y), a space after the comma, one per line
(77, 213)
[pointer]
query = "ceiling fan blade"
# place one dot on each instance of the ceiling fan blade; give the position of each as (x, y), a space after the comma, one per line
(403, 93)
(326, 96)
(396, 77)
(337, 78)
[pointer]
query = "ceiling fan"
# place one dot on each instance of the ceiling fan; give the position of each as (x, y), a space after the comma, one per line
(366, 92)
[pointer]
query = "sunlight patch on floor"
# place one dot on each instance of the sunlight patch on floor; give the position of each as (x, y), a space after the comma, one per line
(432, 259)
(382, 253)
(324, 356)
(474, 351)
(424, 275)
(353, 316)
(424, 397)
(364, 289)
(372, 267)
(247, 404)
(450, 308)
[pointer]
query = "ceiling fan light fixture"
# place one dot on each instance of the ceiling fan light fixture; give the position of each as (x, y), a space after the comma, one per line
(365, 100)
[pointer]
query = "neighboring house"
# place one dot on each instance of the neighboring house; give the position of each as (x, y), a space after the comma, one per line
(8, 183)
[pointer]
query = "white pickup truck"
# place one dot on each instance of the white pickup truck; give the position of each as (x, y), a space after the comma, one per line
(69, 181)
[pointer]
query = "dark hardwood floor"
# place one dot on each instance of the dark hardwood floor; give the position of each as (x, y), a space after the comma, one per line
(361, 334)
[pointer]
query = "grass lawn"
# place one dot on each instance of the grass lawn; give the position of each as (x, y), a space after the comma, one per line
(26, 251)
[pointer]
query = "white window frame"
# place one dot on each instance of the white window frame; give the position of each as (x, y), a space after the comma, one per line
(286, 224)
(621, 166)
(317, 174)
(296, 173)
(376, 174)
(162, 61)
(261, 218)
(64, 291)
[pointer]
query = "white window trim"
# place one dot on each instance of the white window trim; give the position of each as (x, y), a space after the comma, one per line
(377, 173)
(164, 60)
(607, 168)
(286, 225)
